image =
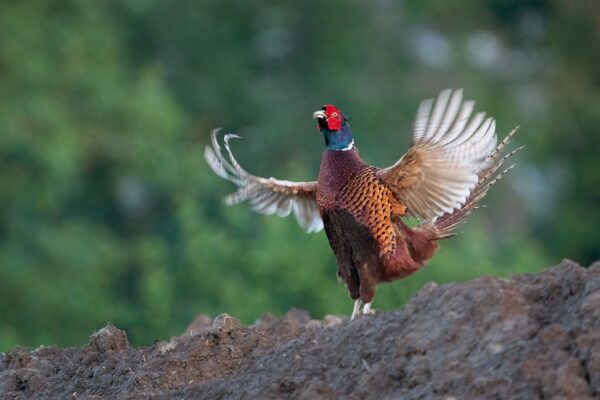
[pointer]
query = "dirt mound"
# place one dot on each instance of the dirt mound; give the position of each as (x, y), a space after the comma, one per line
(528, 337)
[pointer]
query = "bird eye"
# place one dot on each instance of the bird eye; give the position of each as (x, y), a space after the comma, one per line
(334, 114)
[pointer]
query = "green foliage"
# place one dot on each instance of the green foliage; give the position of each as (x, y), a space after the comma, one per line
(109, 212)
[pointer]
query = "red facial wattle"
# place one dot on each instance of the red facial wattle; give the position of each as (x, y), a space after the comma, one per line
(334, 118)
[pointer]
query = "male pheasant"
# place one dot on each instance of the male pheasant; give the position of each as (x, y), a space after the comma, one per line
(447, 170)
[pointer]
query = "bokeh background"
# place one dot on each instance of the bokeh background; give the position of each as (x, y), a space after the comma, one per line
(109, 212)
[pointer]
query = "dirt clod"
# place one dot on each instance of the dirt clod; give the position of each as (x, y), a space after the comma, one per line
(108, 338)
(531, 336)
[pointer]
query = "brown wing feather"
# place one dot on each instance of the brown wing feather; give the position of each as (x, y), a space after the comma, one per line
(267, 196)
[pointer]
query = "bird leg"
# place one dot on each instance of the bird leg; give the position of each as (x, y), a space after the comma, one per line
(367, 309)
(356, 310)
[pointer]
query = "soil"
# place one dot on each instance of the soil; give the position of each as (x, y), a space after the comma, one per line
(527, 337)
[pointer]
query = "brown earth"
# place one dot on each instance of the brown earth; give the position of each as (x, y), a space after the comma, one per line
(528, 337)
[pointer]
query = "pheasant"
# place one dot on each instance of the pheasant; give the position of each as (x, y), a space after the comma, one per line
(451, 163)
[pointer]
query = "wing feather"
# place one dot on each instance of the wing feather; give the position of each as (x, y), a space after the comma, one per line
(448, 151)
(267, 196)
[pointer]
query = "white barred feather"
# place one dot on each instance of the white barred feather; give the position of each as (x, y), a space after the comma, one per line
(266, 196)
(451, 149)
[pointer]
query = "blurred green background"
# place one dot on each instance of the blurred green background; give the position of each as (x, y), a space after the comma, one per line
(109, 212)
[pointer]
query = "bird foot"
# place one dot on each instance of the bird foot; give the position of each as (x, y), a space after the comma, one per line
(367, 309)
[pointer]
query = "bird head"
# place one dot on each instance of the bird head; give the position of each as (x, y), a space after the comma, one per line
(334, 127)
(329, 118)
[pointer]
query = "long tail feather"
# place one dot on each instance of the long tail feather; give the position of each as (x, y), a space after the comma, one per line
(445, 225)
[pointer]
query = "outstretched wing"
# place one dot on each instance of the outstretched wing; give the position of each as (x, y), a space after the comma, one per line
(266, 196)
(448, 150)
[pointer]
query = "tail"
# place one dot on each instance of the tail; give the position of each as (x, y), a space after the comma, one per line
(417, 245)
(445, 225)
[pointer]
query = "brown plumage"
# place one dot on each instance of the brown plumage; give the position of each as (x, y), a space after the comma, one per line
(448, 169)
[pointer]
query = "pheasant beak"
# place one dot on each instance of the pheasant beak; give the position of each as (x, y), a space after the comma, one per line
(320, 114)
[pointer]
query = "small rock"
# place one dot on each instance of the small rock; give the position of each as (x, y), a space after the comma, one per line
(297, 317)
(332, 320)
(19, 357)
(554, 334)
(108, 338)
(495, 348)
(313, 324)
(200, 324)
(264, 322)
(225, 323)
(164, 347)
